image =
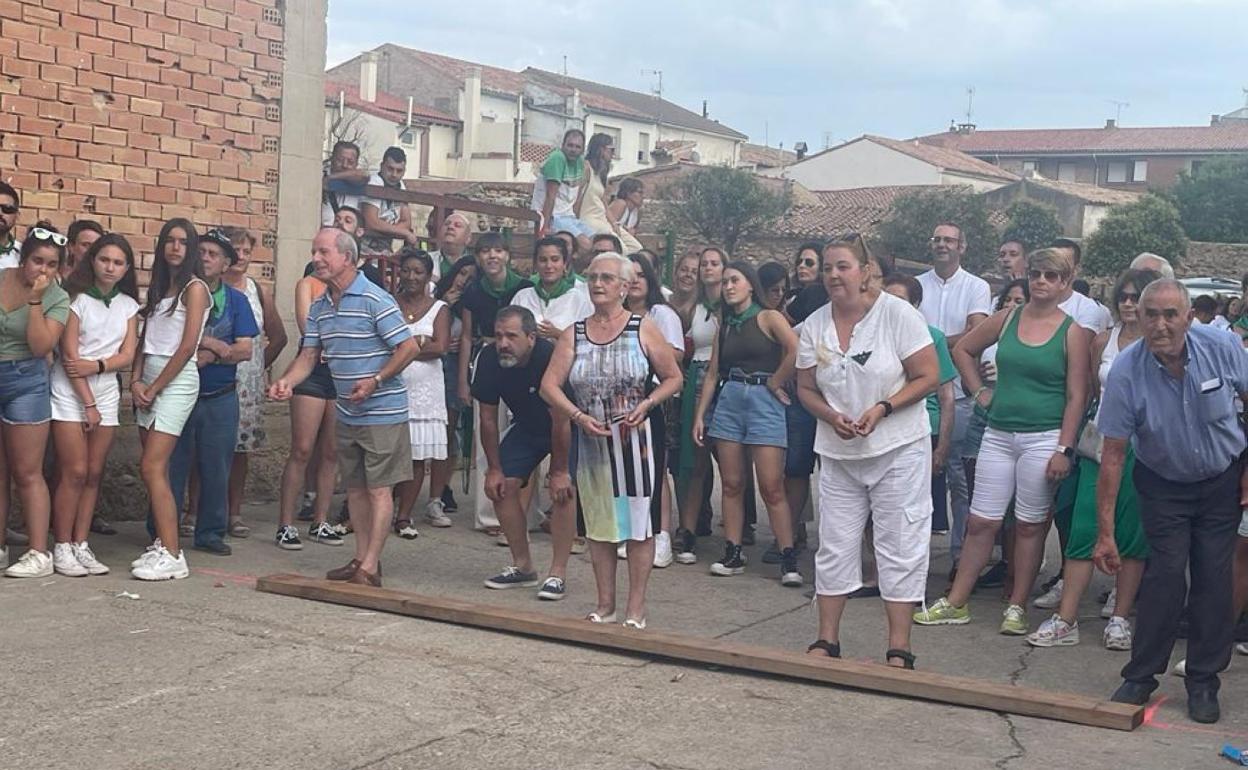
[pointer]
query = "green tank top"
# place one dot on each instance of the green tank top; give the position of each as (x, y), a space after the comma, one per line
(1030, 395)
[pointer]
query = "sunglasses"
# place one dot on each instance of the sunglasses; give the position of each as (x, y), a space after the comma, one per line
(7, 209)
(1123, 296)
(1052, 276)
(38, 233)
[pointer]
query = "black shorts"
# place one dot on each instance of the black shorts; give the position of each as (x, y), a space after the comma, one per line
(319, 384)
(520, 451)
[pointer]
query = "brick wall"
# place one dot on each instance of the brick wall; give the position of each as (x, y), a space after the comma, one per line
(131, 112)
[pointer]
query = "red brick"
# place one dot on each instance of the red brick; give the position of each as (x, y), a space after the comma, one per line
(251, 109)
(207, 151)
(36, 51)
(113, 31)
(143, 71)
(95, 10)
(95, 45)
(210, 51)
(18, 68)
(98, 187)
(110, 136)
(7, 123)
(23, 181)
(190, 131)
(35, 162)
(175, 77)
(211, 18)
(141, 175)
(104, 204)
(70, 6)
(129, 87)
(18, 105)
(128, 156)
(41, 16)
(145, 209)
(71, 57)
(242, 25)
(110, 66)
(207, 83)
(151, 6)
(269, 31)
(157, 126)
(58, 37)
(38, 89)
(192, 198)
(225, 6)
(145, 142)
(225, 38)
(239, 124)
(226, 71)
(239, 57)
(173, 179)
(124, 120)
(96, 152)
(130, 53)
(160, 194)
(175, 111)
(107, 171)
(127, 190)
(80, 24)
(237, 89)
(162, 93)
(55, 146)
(162, 160)
(193, 98)
(193, 165)
(56, 111)
(246, 10)
(225, 170)
(148, 37)
(228, 105)
(29, 124)
(57, 73)
(222, 203)
(76, 131)
(175, 145)
(12, 29)
(179, 10)
(129, 17)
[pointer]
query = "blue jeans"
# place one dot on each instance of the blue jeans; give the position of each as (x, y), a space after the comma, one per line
(208, 441)
(955, 476)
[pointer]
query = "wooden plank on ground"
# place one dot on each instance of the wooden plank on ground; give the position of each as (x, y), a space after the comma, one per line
(925, 685)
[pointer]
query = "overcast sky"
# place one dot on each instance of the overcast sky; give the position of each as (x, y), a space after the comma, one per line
(831, 70)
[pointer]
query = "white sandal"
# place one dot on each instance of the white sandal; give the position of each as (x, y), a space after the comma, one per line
(635, 624)
(594, 617)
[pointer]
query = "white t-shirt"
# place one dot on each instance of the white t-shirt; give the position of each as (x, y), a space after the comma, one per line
(669, 323)
(1087, 313)
(702, 329)
(387, 211)
(101, 329)
(946, 304)
(562, 311)
(870, 371)
(162, 332)
(11, 256)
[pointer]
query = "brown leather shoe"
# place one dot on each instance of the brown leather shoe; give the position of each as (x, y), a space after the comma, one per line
(363, 578)
(345, 572)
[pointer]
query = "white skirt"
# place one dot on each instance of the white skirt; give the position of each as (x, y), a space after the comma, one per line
(67, 408)
(428, 439)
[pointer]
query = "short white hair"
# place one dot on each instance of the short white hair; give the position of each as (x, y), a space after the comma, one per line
(1168, 284)
(628, 271)
(1141, 262)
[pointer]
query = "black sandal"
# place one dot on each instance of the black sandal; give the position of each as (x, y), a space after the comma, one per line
(906, 656)
(831, 649)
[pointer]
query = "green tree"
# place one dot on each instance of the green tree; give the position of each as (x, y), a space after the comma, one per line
(1213, 201)
(1149, 224)
(908, 227)
(1032, 224)
(723, 205)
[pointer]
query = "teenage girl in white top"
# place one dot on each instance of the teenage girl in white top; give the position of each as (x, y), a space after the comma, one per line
(100, 339)
(164, 384)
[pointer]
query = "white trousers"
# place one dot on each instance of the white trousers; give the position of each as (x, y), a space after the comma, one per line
(894, 492)
(1013, 466)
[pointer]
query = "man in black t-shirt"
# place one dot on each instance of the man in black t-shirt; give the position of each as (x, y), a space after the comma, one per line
(510, 370)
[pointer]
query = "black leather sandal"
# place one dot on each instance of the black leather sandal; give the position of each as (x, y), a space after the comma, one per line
(906, 657)
(831, 649)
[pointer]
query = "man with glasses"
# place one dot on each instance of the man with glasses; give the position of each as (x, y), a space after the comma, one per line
(10, 246)
(954, 301)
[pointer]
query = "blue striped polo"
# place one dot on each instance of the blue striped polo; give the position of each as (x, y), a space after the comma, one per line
(357, 337)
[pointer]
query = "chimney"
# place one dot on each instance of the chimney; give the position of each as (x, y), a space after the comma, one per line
(800, 149)
(1215, 119)
(1111, 123)
(704, 112)
(368, 76)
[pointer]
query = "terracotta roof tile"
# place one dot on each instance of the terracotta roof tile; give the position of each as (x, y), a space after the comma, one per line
(1227, 136)
(768, 157)
(385, 105)
(947, 158)
(1088, 193)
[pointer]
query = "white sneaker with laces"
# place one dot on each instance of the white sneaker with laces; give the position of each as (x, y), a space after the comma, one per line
(32, 564)
(1242, 648)
(1111, 604)
(1055, 632)
(662, 550)
(148, 553)
(435, 514)
(64, 562)
(4, 557)
(1117, 634)
(85, 557)
(1050, 599)
(164, 566)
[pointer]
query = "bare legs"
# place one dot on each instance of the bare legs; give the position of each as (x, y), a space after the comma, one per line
(25, 445)
(310, 418)
(154, 467)
(640, 563)
(371, 510)
(80, 460)
(769, 464)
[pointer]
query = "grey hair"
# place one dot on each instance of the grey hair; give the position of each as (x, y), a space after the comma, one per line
(1141, 263)
(528, 324)
(345, 243)
(627, 270)
(1163, 284)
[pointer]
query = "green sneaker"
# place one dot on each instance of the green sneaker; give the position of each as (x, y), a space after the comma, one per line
(942, 613)
(1014, 621)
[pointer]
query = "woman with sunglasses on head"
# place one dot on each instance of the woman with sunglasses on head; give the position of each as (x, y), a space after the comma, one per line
(164, 384)
(1129, 540)
(595, 207)
(1029, 445)
(101, 337)
(34, 309)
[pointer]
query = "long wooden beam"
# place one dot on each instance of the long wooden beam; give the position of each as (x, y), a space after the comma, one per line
(924, 685)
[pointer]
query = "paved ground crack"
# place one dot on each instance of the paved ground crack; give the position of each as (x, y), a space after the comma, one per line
(1019, 750)
(760, 621)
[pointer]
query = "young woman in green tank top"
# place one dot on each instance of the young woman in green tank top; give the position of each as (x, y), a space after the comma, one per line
(1033, 422)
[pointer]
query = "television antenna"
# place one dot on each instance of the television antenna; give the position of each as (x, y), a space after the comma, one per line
(1120, 106)
(970, 103)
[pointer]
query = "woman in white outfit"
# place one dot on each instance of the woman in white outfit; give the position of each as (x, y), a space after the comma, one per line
(555, 299)
(592, 208)
(429, 320)
(865, 364)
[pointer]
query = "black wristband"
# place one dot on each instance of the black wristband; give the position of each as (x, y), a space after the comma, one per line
(101, 365)
(888, 406)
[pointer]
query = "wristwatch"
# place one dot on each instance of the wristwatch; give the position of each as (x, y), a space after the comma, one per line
(1066, 451)
(377, 379)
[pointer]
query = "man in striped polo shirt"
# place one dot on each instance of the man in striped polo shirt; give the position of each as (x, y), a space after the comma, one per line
(359, 330)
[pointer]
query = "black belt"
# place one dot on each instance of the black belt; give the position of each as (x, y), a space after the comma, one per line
(748, 379)
(228, 389)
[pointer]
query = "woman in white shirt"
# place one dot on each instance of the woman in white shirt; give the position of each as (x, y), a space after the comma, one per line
(100, 339)
(865, 364)
(556, 299)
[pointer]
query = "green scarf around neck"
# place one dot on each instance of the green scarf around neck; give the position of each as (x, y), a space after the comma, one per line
(218, 300)
(561, 287)
(711, 307)
(734, 320)
(510, 282)
(107, 299)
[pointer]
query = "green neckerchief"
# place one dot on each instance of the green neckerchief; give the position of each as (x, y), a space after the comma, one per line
(561, 287)
(94, 291)
(446, 265)
(511, 281)
(218, 300)
(734, 320)
(711, 307)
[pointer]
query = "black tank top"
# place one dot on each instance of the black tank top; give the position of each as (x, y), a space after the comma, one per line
(747, 348)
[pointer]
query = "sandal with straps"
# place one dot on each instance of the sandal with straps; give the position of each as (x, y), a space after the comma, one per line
(907, 658)
(831, 649)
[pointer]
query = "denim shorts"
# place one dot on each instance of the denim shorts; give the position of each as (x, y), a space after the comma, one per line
(25, 392)
(750, 415)
(572, 225)
(799, 461)
(318, 384)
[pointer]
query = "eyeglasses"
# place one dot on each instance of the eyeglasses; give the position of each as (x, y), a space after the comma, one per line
(601, 278)
(936, 240)
(1052, 276)
(7, 209)
(40, 234)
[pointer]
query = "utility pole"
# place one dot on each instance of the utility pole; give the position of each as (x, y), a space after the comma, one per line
(970, 104)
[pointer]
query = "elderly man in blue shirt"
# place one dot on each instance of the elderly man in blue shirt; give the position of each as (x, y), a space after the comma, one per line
(1172, 394)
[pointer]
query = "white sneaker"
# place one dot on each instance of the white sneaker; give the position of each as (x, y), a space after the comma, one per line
(1055, 632)
(4, 557)
(164, 566)
(662, 550)
(65, 562)
(1117, 634)
(1242, 648)
(1050, 599)
(33, 564)
(435, 514)
(148, 554)
(1111, 604)
(621, 551)
(87, 559)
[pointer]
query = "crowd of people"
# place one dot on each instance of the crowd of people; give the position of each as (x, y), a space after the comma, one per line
(600, 406)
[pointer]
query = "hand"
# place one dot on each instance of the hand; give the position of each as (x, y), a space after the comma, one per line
(450, 298)
(1105, 555)
(591, 426)
(698, 430)
(362, 390)
(81, 367)
(41, 284)
(984, 399)
(495, 484)
(987, 371)
(560, 483)
(412, 239)
(638, 415)
(453, 346)
(214, 346)
(939, 457)
(281, 390)
(778, 391)
(93, 419)
(843, 426)
(870, 418)
(549, 330)
(142, 397)
(1059, 467)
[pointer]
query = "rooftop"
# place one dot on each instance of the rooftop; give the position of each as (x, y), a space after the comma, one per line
(1225, 136)
(386, 105)
(765, 157)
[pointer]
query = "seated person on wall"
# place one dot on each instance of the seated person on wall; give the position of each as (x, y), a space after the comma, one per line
(386, 221)
(557, 188)
(343, 180)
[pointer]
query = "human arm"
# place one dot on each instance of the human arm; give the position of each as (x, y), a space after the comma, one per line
(664, 365)
(558, 478)
(226, 352)
(197, 301)
(1077, 361)
(809, 394)
(77, 367)
(615, 210)
(274, 330)
(373, 223)
(435, 347)
(465, 354)
(351, 176)
(495, 482)
(297, 372)
(944, 431)
(1094, 363)
(552, 388)
(776, 327)
(972, 320)
(303, 301)
(82, 389)
(548, 207)
(1108, 481)
(967, 350)
(922, 378)
(42, 332)
(402, 355)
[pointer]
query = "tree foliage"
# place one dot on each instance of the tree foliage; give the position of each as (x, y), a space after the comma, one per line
(1213, 201)
(1149, 224)
(723, 205)
(907, 229)
(1032, 224)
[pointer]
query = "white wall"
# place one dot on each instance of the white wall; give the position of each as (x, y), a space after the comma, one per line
(713, 149)
(630, 137)
(862, 163)
(978, 184)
